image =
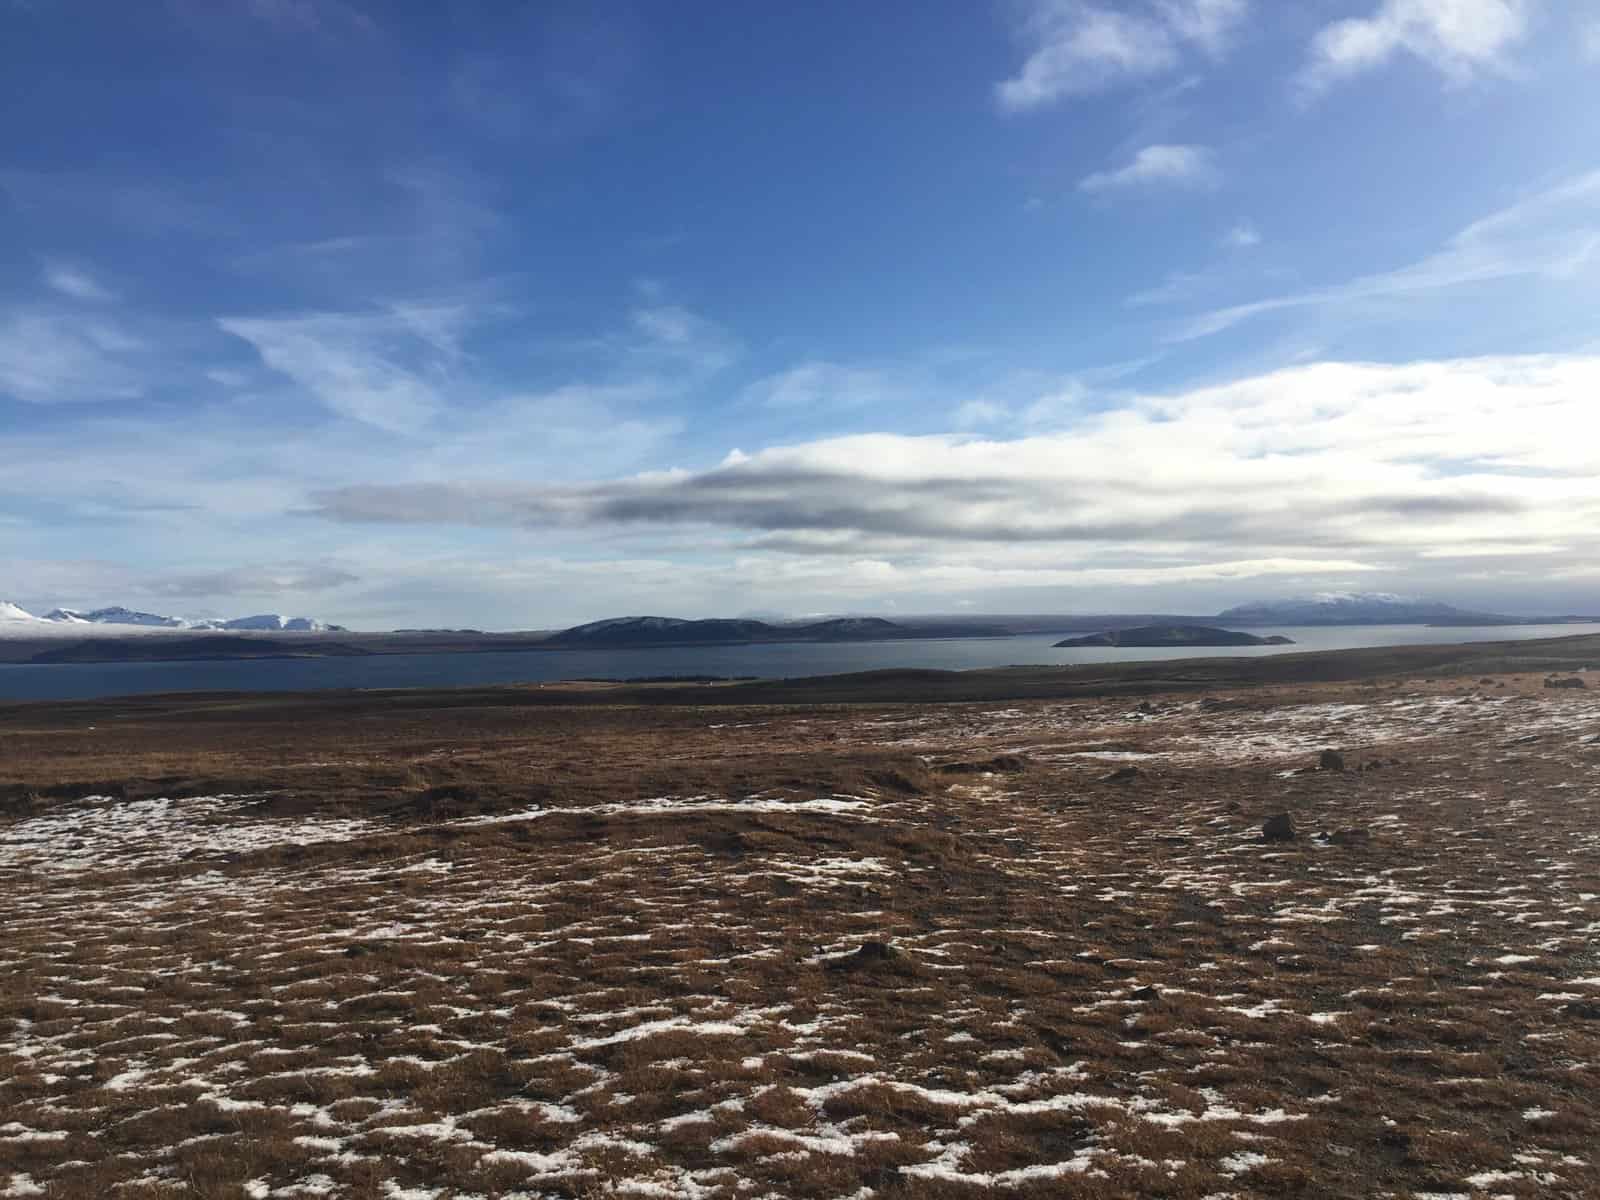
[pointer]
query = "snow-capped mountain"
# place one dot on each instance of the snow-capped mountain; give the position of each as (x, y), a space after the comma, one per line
(272, 622)
(115, 615)
(15, 618)
(15, 612)
(1352, 608)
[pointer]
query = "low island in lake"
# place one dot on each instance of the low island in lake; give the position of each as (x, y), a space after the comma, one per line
(1175, 635)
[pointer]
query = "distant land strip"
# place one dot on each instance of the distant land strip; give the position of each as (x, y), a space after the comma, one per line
(1572, 656)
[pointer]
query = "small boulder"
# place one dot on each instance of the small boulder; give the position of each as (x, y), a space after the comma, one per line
(875, 956)
(1566, 681)
(1277, 828)
(876, 951)
(1122, 775)
(1330, 760)
(1395, 1139)
(1349, 837)
(1144, 993)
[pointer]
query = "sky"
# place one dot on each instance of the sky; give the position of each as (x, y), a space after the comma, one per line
(478, 313)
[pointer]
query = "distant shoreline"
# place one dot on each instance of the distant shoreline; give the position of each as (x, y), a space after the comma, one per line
(61, 647)
(1197, 674)
(181, 647)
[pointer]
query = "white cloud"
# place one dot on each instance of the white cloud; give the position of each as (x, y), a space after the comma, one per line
(1177, 286)
(828, 385)
(1554, 233)
(271, 580)
(1589, 39)
(689, 340)
(1332, 469)
(568, 430)
(1459, 38)
(1177, 166)
(1318, 476)
(1242, 236)
(408, 366)
(971, 414)
(76, 283)
(380, 369)
(49, 357)
(1077, 47)
(1207, 23)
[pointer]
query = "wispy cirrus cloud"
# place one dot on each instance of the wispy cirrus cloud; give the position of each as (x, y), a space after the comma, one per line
(1553, 233)
(427, 225)
(1458, 38)
(1162, 165)
(407, 366)
(1076, 48)
(76, 283)
(381, 369)
(282, 578)
(674, 334)
(552, 73)
(49, 356)
(1242, 236)
(821, 385)
(1589, 39)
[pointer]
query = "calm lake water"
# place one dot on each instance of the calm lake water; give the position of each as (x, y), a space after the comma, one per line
(91, 680)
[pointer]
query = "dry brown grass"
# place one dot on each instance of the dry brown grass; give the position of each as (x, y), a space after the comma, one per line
(1101, 987)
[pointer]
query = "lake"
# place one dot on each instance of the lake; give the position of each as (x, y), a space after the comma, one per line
(85, 681)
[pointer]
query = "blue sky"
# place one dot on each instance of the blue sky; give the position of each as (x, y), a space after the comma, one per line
(517, 315)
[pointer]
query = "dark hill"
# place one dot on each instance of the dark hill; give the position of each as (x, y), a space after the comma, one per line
(1357, 608)
(623, 632)
(1175, 635)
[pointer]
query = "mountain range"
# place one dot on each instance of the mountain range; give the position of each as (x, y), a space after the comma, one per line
(16, 616)
(1357, 608)
(1326, 608)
